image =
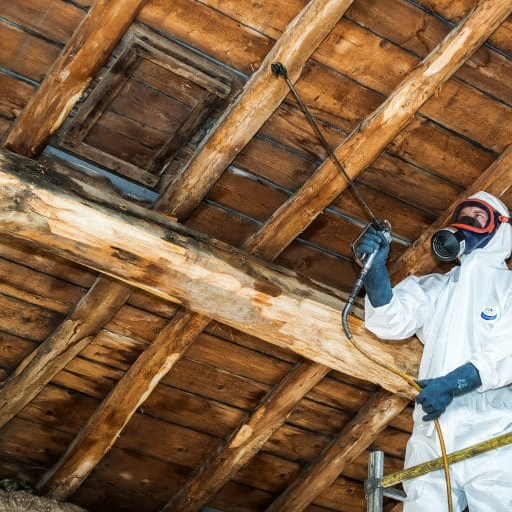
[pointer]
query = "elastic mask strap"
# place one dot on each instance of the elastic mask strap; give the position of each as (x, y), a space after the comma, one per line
(506, 220)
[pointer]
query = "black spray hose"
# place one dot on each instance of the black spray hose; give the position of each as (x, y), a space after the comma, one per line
(355, 292)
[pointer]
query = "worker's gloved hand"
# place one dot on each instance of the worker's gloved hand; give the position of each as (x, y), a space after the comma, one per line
(377, 283)
(438, 393)
(373, 240)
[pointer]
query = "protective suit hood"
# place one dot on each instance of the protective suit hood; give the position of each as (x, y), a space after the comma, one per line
(500, 246)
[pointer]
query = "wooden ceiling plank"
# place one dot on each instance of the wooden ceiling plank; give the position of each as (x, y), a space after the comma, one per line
(211, 278)
(247, 439)
(365, 143)
(261, 96)
(355, 437)
(418, 259)
(86, 51)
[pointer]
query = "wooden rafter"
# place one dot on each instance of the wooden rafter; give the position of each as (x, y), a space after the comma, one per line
(86, 51)
(297, 43)
(262, 95)
(294, 47)
(248, 438)
(112, 408)
(341, 451)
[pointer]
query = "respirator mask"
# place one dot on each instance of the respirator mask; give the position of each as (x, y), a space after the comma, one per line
(466, 233)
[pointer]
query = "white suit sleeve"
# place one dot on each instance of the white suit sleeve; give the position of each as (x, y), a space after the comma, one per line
(494, 361)
(409, 309)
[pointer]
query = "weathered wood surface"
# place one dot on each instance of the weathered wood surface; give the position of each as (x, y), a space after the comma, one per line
(419, 31)
(262, 95)
(110, 419)
(79, 328)
(71, 72)
(419, 259)
(98, 306)
(247, 439)
(54, 19)
(365, 143)
(353, 439)
(177, 265)
(33, 65)
(289, 38)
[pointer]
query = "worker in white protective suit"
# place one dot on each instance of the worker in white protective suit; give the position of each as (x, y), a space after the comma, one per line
(464, 320)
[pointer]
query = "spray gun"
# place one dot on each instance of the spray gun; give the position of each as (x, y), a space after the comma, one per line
(366, 261)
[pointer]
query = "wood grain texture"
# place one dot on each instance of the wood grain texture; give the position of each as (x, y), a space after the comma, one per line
(262, 95)
(349, 443)
(365, 143)
(71, 72)
(247, 439)
(212, 279)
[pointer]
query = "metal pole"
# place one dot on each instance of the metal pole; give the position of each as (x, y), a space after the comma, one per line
(373, 487)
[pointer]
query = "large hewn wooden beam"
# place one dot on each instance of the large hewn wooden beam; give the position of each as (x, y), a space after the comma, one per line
(209, 277)
(341, 451)
(86, 51)
(261, 96)
(247, 439)
(365, 143)
(418, 259)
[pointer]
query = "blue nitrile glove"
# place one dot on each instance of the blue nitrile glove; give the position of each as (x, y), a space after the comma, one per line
(438, 393)
(377, 283)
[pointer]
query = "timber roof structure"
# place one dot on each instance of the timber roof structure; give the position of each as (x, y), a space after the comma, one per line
(175, 240)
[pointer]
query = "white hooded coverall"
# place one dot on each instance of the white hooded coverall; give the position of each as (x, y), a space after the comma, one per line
(462, 316)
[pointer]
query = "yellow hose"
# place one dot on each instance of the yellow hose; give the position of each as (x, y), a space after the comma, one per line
(410, 380)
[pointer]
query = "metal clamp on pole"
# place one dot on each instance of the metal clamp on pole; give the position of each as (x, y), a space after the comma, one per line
(373, 488)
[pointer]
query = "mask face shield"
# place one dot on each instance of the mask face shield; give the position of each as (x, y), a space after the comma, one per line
(472, 225)
(476, 216)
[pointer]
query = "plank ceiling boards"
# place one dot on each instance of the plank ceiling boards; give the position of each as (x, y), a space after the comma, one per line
(119, 391)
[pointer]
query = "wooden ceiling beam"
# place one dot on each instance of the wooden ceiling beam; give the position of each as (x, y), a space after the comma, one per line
(210, 277)
(248, 438)
(418, 259)
(84, 54)
(366, 142)
(261, 96)
(101, 431)
(355, 437)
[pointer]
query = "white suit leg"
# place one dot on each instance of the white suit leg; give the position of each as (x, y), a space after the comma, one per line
(428, 492)
(489, 481)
